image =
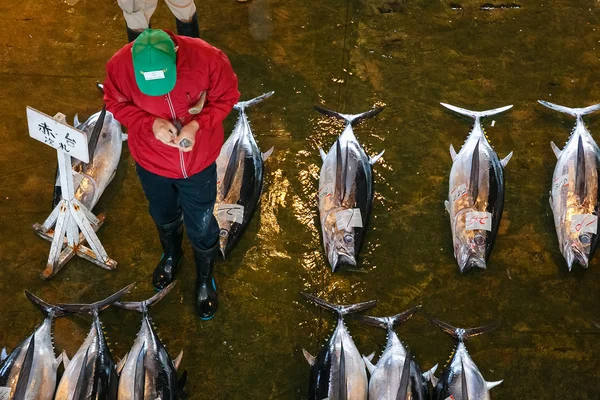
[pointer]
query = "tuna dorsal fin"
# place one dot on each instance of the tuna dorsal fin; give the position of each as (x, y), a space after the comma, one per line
(231, 168)
(491, 385)
(323, 154)
(267, 153)
(343, 384)
(138, 392)
(64, 358)
(23, 382)
(404, 378)
(474, 181)
(580, 186)
(177, 361)
(82, 380)
(340, 181)
(555, 149)
(309, 357)
(369, 365)
(463, 376)
(506, 159)
(121, 364)
(452, 152)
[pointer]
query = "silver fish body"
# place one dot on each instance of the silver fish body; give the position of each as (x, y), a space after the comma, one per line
(575, 192)
(345, 196)
(476, 194)
(338, 372)
(240, 168)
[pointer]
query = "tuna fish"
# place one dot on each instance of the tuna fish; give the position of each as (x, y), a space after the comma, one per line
(240, 167)
(461, 377)
(575, 190)
(338, 372)
(105, 142)
(475, 194)
(147, 372)
(91, 373)
(346, 192)
(29, 371)
(396, 375)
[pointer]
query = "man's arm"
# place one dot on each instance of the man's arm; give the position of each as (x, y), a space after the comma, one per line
(222, 93)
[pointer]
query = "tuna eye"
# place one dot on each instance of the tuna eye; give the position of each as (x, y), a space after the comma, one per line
(224, 233)
(348, 239)
(585, 239)
(479, 240)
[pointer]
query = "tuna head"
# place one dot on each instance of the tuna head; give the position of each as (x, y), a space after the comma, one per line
(470, 246)
(340, 247)
(576, 248)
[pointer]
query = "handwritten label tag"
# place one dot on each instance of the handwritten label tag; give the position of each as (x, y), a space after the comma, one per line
(153, 75)
(458, 192)
(584, 223)
(325, 191)
(232, 212)
(479, 220)
(559, 183)
(4, 393)
(347, 219)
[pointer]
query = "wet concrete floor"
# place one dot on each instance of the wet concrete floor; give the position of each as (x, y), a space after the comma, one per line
(348, 56)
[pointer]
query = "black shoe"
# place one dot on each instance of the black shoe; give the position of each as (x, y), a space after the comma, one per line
(170, 236)
(190, 28)
(206, 290)
(132, 35)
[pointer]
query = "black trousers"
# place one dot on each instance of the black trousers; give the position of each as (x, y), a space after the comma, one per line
(195, 196)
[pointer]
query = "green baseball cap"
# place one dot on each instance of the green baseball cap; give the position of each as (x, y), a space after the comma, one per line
(154, 61)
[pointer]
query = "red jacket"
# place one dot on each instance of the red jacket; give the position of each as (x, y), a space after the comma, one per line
(200, 67)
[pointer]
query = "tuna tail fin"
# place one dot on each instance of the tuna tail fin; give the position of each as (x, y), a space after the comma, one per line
(143, 306)
(462, 334)
(476, 114)
(580, 186)
(46, 308)
(341, 310)
(99, 305)
(388, 323)
(404, 378)
(244, 104)
(351, 119)
(576, 112)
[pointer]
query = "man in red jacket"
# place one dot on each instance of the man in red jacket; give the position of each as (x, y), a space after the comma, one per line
(155, 87)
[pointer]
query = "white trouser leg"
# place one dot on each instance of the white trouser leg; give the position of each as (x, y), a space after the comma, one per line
(137, 13)
(183, 10)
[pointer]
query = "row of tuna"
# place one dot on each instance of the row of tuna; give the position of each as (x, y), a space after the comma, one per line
(475, 195)
(147, 372)
(339, 371)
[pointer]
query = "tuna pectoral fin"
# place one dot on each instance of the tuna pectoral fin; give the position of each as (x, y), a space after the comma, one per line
(142, 306)
(459, 333)
(474, 180)
(323, 154)
(376, 158)
(26, 367)
(181, 382)
(580, 184)
(506, 159)
(121, 364)
(309, 357)
(341, 309)
(491, 385)
(452, 152)
(428, 376)
(343, 383)
(64, 358)
(369, 365)
(99, 305)
(177, 361)
(434, 380)
(555, 149)
(463, 376)
(404, 379)
(267, 153)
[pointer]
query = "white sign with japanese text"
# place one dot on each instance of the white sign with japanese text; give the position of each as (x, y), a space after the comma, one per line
(58, 135)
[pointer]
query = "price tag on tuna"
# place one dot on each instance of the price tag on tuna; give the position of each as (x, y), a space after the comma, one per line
(58, 135)
(347, 219)
(4, 393)
(458, 192)
(559, 183)
(584, 223)
(232, 212)
(325, 191)
(479, 220)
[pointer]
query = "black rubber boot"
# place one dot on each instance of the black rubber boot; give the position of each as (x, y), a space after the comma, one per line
(206, 289)
(170, 236)
(132, 35)
(190, 28)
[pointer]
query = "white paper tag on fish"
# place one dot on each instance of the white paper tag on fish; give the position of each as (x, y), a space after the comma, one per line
(479, 220)
(232, 212)
(584, 223)
(347, 219)
(559, 183)
(325, 191)
(4, 393)
(458, 192)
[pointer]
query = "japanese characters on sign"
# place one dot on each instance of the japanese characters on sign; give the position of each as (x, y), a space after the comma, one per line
(57, 134)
